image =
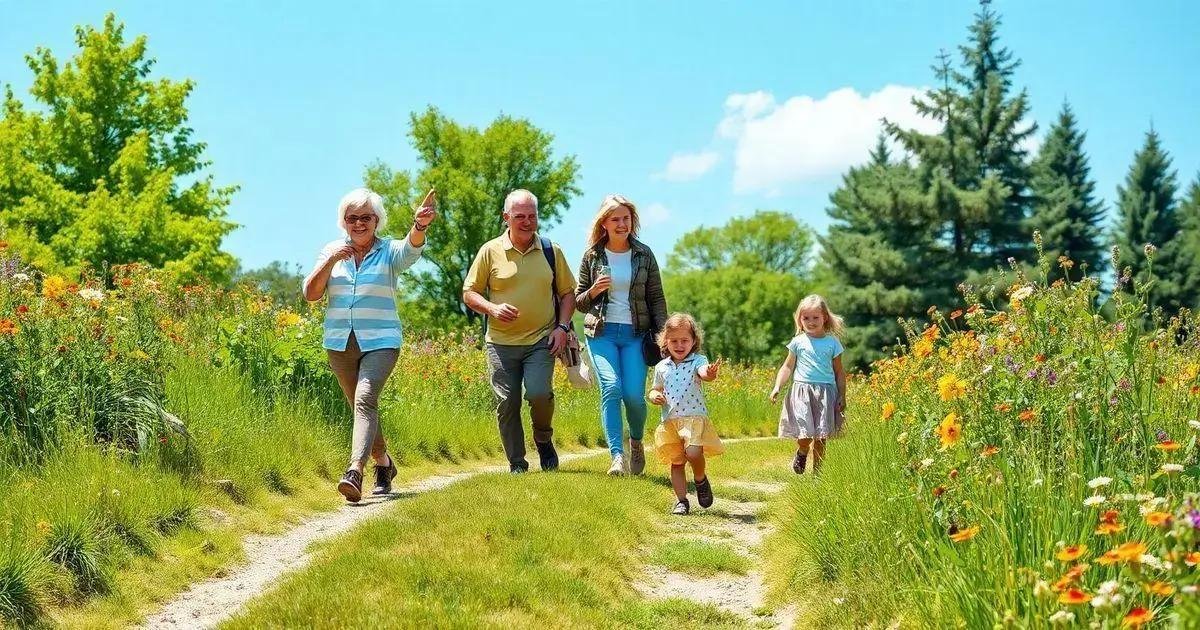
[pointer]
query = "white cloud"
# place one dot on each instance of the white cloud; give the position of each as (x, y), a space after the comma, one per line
(805, 139)
(654, 214)
(685, 167)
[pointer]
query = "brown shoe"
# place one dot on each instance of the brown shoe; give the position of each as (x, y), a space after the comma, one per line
(351, 486)
(384, 476)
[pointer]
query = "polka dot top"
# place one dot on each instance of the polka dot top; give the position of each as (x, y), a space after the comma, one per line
(681, 385)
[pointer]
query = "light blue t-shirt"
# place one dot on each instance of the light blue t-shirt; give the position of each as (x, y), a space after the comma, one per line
(814, 358)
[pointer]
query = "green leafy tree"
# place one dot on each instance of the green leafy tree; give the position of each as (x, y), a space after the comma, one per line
(882, 255)
(1065, 209)
(278, 279)
(473, 170)
(742, 281)
(1147, 215)
(105, 169)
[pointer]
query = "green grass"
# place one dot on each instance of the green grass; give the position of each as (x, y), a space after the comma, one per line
(699, 557)
(556, 550)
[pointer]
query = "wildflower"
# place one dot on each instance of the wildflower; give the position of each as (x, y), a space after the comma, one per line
(1158, 519)
(3, 244)
(1062, 618)
(1194, 517)
(1041, 589)
(953, 473)
(1195, 424)
(965, 534)
(1099, 482)
(1003, 407)
(1022, 293)
(988, 451)
(287, 319)
(950, 430)
(1168, 446)
(1029, 415)
(1070, 553)
(1051, 378)
(1124, 385)
(923, 348)
(902, 438)
(1031, 374)
(927, 462)
(95, 296)
(1037, 483)
(1171, 468)
(1109, 557)
(956, 313)
(139, 355)
(950, 387)
(22, 309)
(8, 327)
(1109, 523)
(1152, 561)
(889, 410)
(1094, 500)
(43, 527)
(1109, 587)
(1074, 597)
(939, 491)
(1137, 617)
(1192, 559)
(1130, 551)
(53, 287)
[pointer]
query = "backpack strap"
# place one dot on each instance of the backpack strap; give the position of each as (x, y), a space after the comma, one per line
(548, 252)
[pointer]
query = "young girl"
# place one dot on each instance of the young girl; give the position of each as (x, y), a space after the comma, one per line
(814, 408)
(685, 435)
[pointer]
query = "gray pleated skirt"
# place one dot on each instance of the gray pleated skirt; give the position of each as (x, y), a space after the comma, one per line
(810, 411)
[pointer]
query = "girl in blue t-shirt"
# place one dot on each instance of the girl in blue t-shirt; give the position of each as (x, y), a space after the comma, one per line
(814, 408)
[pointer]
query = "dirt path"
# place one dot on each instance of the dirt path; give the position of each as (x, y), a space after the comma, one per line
(206, 604)
(737, 523)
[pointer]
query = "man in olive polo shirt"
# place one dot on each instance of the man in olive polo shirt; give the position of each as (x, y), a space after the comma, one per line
(524, 331)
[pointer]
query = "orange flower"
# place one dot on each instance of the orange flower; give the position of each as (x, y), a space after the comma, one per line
(1192, 559)
(949, 432)
(1158, 519)
(1028, 415)
(956, 313)
(8, 327)
(1071, 553)
(1108, 529)
(1040, 358)
(1160, 589)
(939, 491)
(1137, 617)
(1074, 597)
(889, 410)
(1168, 445)
(1003, 407)
(954, 473)
(1077, 571)
(965, 534)
(972, 309)
(988, 451)
(3, 244)
(1063, 583)
(1109, 557)
(1130, 551)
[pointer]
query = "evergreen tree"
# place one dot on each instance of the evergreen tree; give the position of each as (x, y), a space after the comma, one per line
(1188, 251)
(1147, 216)
(1065, 209)
(882, 254)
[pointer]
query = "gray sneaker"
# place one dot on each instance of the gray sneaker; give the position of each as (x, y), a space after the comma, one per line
(618, 465)
(637, 457)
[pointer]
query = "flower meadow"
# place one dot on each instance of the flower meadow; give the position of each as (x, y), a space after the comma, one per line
(1025, 466)
(131, 405)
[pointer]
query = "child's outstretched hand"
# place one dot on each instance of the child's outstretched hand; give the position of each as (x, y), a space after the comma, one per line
(709, 372)
(656, 397)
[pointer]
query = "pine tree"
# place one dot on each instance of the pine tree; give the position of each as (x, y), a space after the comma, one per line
(1188, 251)
(1147, 216)
(882, 254)
(1065, 209)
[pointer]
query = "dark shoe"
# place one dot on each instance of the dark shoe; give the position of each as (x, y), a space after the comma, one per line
(704, 495)
(384, 476)
(547, 455)
(518, 468)
(681, 507)
(351, 486)
(637, 457)
(798, 462)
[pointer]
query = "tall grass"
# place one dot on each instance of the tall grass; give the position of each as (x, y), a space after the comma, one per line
(1009, 469)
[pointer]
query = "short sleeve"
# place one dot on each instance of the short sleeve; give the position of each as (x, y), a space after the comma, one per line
(477, 275)
(837, 347)
(793, 346)
(562, 269)
(701, 361)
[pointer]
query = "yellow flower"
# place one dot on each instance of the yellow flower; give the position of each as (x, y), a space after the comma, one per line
(1071, 553)
(889, 410)
(1158, 519)
(1161, 589)
(923, 348)
(949, 432)
(53, 287)
(965, 534)
(950, 387)
(287, 319)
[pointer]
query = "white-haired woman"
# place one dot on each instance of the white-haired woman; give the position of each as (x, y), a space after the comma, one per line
(362, 331)
(621, 295)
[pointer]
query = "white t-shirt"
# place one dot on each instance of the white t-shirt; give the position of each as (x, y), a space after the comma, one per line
(681, 385)
(620, 268)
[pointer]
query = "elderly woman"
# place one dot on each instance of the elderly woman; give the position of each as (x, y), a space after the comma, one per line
(621, 295)
(362, 330)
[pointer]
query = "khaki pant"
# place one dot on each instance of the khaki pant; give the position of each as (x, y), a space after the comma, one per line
(362, 375)
(510, 368)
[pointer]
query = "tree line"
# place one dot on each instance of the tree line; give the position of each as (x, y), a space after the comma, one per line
(103, 169)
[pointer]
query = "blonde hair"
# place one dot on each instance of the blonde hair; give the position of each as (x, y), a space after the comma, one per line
(362, 199)
(597, 234)
(678, 321)
(834, 324)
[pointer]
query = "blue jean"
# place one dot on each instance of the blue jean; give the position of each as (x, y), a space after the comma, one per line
(617, 359)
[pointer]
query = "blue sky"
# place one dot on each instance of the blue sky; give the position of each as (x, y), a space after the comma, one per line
(698, 111)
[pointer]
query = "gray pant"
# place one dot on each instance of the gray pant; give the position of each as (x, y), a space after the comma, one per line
(362, 375)
(510, 366)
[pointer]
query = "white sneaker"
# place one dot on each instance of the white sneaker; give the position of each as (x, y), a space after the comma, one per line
(618, 465)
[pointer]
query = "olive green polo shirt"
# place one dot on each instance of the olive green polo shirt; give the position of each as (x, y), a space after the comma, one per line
(506, 275)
